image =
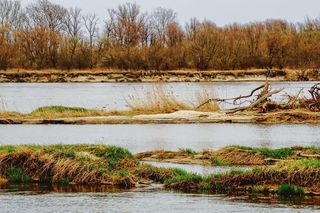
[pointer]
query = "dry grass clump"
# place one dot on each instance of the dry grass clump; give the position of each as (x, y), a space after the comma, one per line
(52, 112)
(237, 156)
(3, 105)
(62, 111)
(155, 174)
(76, 165)
(160, 100)
(82, 164)
(202, 97)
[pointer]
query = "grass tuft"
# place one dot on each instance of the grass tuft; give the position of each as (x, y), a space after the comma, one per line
(290, 190)
(18, 175)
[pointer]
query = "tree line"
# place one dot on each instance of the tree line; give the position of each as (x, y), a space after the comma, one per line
(45, 35)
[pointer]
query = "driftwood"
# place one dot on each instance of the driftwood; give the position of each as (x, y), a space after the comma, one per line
(263, 102)
(315, 94)
(233, 99)
(301, 154)
(259, 101)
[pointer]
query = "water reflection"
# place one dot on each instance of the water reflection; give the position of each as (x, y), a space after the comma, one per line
(148, 200)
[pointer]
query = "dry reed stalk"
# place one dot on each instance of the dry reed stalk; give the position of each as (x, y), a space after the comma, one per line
(160, 100)
(205, 95)
(3, 105)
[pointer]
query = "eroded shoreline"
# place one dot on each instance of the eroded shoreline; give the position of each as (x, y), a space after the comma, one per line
(93, 76)
(294, 171)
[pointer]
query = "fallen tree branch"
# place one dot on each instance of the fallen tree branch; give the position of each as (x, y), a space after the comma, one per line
(257, 102)
(233, 99)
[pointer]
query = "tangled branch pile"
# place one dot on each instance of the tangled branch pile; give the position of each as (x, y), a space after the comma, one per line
(263, 102)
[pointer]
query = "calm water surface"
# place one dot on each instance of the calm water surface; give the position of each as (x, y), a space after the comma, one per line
(199, 169)
(142, 200)
(139, 138)
(25, 97)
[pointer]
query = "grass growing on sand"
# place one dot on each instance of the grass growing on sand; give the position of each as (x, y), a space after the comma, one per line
(51, 112)
(159, 100)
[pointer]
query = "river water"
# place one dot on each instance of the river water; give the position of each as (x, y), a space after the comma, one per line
(138, 138)
(151, 199)
(25, 97)
(148, 137)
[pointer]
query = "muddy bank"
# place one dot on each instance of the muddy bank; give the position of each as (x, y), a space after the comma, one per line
(156, 76)
(179, 117)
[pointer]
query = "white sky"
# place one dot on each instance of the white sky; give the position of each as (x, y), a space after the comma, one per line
(219, 11)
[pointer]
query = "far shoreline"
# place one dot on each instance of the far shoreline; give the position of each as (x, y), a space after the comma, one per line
(154, 76)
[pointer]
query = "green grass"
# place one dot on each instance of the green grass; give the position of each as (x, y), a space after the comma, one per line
(188, 151)
(260, 189)
(290, 190)
(64, 181)
(59, 109)
(216, 162)
(282, 153)
(180, 172)
(114, 154)
(8, 149)
(123, 173)
(18, 175)
(298, 164)
(186, 177)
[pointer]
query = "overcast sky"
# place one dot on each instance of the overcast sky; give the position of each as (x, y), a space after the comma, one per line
(219, 11)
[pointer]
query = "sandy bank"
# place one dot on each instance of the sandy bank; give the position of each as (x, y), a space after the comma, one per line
(181, 117)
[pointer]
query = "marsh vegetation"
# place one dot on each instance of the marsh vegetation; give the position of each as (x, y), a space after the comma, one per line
(292, 174)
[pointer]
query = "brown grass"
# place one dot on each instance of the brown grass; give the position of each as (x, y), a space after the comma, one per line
(302, 173)
(204, 96)
(238, 156)
(160, 100)
(75, 165)
(3, 181)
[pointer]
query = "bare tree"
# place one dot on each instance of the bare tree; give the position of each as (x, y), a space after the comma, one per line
(72, 27)
(73, 22)
(10, 13)
(90, 23)
(46, 14)
(161, 20)
(126, 24)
